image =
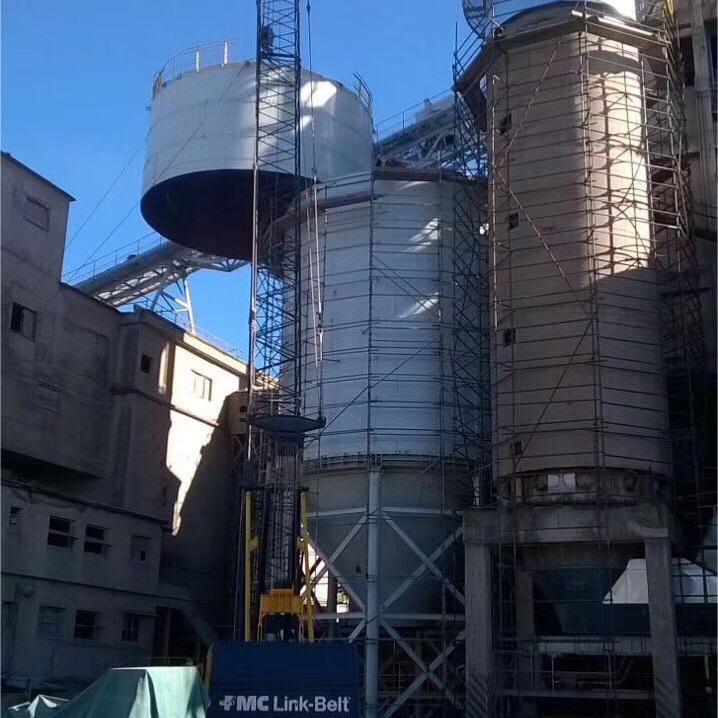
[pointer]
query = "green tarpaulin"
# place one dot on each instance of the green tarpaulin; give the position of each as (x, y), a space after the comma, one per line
(172, 692)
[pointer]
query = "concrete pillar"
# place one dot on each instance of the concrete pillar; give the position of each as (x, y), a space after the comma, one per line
(528, 662)
(661, 608)
(479, 632)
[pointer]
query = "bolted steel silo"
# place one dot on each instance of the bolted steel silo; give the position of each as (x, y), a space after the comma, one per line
(198, 184)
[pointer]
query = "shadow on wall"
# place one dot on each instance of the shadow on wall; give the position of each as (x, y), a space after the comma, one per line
(199, 555)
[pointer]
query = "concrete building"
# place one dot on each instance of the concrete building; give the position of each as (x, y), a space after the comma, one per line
(117, 465)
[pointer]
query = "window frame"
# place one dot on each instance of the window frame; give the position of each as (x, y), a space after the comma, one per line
(19, 316)
(130, 628)
(69, 535)
(140, 555)
(201, 385)
(42, 221)
(146, 360)
(59, 625)
(91, 626)
(95, 541)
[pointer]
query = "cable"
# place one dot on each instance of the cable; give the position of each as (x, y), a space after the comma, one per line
(107, 191)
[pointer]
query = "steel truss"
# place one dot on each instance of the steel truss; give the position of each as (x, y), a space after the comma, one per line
(275, 358)
(151, 272)
(418, 674)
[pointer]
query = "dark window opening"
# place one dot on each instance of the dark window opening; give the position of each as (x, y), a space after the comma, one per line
(37, 213)
(505, 124)
(243, 409)
(689, 70)
(509, 336)
(59, 532)
(86, 625)
(130, 628)
(15, 514)
(95, 540)
(23, 320)
(517, 448)
(513, 220)
(50, 620)
(139, 549)
(146, 363)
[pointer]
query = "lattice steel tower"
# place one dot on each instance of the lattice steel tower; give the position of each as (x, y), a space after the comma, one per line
(275, 413)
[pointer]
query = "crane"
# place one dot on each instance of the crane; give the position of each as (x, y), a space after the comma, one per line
(275, 532)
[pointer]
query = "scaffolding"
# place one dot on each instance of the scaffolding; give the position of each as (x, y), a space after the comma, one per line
(596, 367)
(387, 484)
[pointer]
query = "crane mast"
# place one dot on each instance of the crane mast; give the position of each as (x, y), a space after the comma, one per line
(273, 571)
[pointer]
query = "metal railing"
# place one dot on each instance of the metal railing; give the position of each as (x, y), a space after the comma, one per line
(405, 118)
(112, 259)
(194, 59)
(364, 93)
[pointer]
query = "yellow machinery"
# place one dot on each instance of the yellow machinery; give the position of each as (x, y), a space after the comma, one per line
(278, 601)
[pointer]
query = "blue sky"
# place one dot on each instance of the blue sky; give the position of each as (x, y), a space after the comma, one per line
(77, 77)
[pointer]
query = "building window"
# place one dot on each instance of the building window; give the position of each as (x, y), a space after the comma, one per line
(513, 220)
(139, 549)
(14, 516)
(59, 532)
(37, 213)
(146, 363)
(50, 621)
(95, 540)
(131, 628)
(689, 71)
(505, 124)
(201, 386)
(23, 321)
(517, 448)
(86, 625)
(509, 336)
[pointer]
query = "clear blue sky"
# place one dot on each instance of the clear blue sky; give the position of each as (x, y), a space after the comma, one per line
(77, 77)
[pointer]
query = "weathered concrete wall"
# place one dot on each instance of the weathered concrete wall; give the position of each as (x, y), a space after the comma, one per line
(114, 582)
(56, 369)
(121, 409)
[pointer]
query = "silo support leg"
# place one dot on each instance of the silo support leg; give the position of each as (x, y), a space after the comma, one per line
(666, 677)
(373, 617)
(479, 632)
